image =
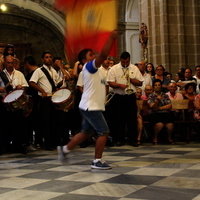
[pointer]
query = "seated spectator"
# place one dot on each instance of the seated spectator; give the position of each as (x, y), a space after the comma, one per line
(182, 70)
(189, 93)
(173, 95)
(160, 106)
(138, 93)
(160, 75)
(169, 75)
(197, 77)
(187, 79)
(148, 90)
(143, 115)
(178, 78)
(197, 107)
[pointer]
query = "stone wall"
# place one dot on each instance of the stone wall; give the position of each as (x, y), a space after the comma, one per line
(174, 32)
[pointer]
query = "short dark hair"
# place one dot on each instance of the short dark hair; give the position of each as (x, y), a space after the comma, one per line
(181, 76)
(30, 60)
(156, 81)
(125, 55)
(44, 53)
(197, 67)
(82, 55)
(56, 58)
(191, 84)
(189, 69)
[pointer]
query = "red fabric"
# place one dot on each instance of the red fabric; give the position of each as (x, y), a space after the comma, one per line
(78, 35)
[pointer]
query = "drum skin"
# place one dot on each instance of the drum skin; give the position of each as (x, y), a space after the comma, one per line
(62, 99)
(16, 100)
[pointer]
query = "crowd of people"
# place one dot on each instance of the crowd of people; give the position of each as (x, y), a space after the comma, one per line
(39, 115)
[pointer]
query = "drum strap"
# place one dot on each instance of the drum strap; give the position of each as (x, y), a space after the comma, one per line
(4, 78)
(49, 78)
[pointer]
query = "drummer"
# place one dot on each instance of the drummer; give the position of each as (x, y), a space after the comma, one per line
(13, 129)
(45, 80)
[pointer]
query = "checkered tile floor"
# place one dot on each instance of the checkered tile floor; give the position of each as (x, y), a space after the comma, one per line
(161, 172)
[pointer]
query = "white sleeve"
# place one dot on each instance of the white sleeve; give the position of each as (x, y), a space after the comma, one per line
(36, 75)
(80, 80)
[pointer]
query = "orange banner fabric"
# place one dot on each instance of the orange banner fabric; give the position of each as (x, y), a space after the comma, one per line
(88, 25)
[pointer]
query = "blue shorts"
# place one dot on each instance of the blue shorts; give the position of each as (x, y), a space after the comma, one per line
(94, 120)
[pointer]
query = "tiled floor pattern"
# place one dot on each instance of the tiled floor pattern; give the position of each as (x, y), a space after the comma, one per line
(148, 172)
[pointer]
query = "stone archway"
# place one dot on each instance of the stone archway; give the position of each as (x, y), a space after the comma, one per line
(19, 25)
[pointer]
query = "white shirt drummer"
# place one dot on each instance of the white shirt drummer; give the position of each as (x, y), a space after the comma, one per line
(41, 80)
(15, 78)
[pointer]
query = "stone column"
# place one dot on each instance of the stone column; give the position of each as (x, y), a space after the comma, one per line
(129, 26)
(174, 32)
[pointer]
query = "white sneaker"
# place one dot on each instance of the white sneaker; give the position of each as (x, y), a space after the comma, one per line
(62, 156)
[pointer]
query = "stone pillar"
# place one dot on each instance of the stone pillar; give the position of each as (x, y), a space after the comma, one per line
(174, 32)
(129, 26)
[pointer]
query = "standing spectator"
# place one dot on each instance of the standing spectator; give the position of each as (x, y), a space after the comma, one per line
(111, 62)
(149, 68)
(146, 76)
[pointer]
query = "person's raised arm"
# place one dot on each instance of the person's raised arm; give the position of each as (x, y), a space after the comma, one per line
(106, 49)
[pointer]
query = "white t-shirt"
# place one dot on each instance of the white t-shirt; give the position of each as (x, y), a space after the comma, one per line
(94, 92)
(118, 74)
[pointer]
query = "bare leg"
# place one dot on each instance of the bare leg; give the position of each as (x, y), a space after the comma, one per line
(99, 147)
(157, 128)
(170, 128)
(140, 126)
(77, 139)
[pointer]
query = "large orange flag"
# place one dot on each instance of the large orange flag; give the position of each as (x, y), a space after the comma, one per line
(88, 24)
